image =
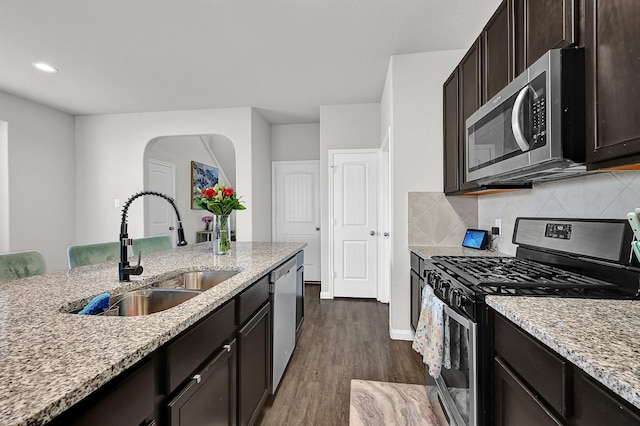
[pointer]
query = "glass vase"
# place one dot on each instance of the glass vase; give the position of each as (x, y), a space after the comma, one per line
(222, 234)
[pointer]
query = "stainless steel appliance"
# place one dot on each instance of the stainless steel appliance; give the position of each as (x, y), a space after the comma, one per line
(533, 129)
(283, 319)
(586, 258)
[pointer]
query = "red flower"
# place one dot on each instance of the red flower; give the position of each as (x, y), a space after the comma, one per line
(209, 193)
(227, 192)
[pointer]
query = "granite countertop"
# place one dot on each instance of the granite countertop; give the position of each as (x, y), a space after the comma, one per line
(602, 337)
(429, 251)
(52, 359)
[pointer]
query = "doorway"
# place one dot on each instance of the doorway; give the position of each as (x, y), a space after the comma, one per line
(296, 209)
(161, 218)
(353, 212)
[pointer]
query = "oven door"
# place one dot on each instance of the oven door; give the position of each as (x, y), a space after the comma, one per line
(457, 386)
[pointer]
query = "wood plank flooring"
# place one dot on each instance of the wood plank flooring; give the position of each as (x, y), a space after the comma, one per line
(340, 340)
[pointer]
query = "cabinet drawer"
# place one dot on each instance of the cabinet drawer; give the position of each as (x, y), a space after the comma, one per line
(191, 349)
(545, 372)
(252, 298)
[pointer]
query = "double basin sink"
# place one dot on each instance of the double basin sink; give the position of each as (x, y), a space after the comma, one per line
(166, 294)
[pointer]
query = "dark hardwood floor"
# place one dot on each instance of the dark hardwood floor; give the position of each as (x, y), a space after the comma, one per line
(340, 340)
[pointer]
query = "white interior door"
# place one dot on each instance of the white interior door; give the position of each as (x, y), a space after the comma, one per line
(355, 223)
(161, 218)
(296, 209)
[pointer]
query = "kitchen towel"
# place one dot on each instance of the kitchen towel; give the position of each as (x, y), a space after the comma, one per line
(430, 339)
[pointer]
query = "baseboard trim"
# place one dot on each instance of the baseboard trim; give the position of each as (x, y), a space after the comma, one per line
(400, 334)
(325, 295)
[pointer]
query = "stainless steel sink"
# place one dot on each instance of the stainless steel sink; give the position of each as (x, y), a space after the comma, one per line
(199, 280)
(148, 301)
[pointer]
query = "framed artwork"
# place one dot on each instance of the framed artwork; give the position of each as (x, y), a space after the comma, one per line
(202, 176)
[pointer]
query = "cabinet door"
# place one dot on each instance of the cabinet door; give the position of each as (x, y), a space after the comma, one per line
(497, 58)
(254, 366)
(549, 24)
(451, 128)
(612, 79)
(595, 405)
(469, 102)
(210, 397)
(514, 404)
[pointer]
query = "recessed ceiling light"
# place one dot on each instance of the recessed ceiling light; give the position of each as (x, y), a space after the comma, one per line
(45, 67)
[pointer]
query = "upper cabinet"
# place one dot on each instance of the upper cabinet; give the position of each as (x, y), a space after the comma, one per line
(497, 63)
(546, 24)
(518, 34)
(612, 50)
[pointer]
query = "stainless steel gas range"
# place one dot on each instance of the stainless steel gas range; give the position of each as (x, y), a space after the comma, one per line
(584, 258)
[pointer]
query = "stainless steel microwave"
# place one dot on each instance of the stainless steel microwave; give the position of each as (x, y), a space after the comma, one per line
(533, 129)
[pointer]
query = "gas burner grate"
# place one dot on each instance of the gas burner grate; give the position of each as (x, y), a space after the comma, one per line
(501, 273)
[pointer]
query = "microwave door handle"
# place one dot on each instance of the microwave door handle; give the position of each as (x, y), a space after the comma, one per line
(515, 120)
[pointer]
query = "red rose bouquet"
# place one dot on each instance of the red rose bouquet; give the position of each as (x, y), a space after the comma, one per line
(220, 201)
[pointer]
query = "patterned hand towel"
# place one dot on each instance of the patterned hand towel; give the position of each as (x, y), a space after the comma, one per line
(430, 339)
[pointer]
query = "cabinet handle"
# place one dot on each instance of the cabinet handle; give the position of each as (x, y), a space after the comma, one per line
(197, 378)
(227, 347)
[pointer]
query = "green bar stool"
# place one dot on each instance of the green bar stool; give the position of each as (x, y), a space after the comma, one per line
(152, 244)
(90, 254)
(21, 264)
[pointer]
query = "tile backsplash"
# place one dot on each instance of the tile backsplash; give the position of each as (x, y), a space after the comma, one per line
(599, 195)
(437, 220)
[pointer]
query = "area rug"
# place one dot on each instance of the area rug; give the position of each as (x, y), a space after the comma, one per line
(382, 403)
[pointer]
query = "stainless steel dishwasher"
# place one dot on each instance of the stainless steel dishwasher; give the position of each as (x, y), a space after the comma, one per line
(283, 319)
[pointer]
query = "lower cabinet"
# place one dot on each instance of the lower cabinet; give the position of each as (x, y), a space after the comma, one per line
(254, 365)
(533, 385)
(127, 400)
(210, 397)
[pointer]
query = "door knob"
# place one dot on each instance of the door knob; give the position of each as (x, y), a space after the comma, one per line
(171, 228)
(386, 234)
(317, 228)
(372, 233)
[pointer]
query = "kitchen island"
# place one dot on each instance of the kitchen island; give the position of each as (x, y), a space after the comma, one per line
(600, 337)
(52, 359)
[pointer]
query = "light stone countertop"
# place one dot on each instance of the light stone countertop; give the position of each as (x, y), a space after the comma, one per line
(426, 252)
(51, 359)
(601, 337)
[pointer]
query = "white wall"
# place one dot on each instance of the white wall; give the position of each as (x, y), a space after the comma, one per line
(41, 184)
(110, 164)
(260, 178)
(412, 104)
(600, 195)
(295, 142)
(180, 151)
(342, 127)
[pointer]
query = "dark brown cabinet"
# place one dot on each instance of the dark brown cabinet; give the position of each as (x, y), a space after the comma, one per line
(452, 169)
(127, 400)
(254, 366)
(497, 58)
(612, 73)
(470, 96)
(210, 396)
(532, 385)
(514, 403)
(461, 99)
(541, 25)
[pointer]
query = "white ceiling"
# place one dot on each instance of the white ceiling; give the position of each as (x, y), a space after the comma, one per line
(283, 57)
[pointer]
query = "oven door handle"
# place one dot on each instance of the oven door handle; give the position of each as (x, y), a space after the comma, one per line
(462, 320)
(518, 134)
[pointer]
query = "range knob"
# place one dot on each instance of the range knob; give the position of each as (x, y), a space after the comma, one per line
(445, 286)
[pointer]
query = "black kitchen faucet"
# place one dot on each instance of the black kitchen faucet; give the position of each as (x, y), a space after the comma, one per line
(124, 269)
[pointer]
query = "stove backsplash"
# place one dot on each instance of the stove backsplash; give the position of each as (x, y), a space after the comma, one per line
(601, 195)
(436, 220)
